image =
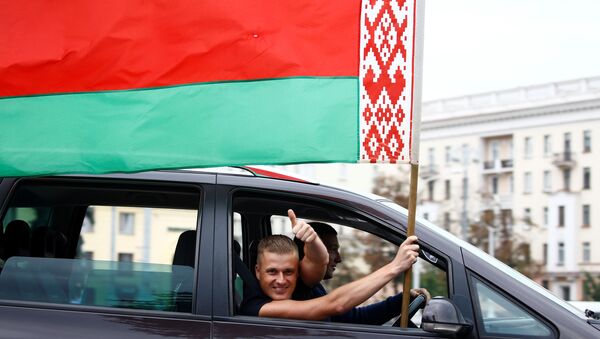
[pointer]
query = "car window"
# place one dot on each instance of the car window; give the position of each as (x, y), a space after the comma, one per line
(111, 245)
(364, 247)
(498, 315)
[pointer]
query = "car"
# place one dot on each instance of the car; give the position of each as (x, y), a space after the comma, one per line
(166, 254)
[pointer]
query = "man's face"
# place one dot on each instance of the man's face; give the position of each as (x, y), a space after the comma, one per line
(333, 248)
(277, 274)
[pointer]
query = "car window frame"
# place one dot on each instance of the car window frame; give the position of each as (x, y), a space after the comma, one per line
(319, 200)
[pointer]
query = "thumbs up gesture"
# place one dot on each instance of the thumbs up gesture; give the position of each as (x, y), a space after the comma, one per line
(301, 229)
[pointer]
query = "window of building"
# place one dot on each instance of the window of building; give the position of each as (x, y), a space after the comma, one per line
(431, 156)
(448, 154)
(545, 253)
(447, 221)
(447, 187)
(150, 270)
(511, 185)
(545, 216)
(547, 181)
(125, 257)
(495, 151)
(566, 292)
(527, 215)
(561, 253)
(126, 223)
(567, 179)
(494, 185)
(528, 150)
(527, 184)
(587, 178)
(547, 145)
(431, 189)
(586, 252)
(587, 141)
(561, 216)
(567, 144)
(586, 215)
(465, 188)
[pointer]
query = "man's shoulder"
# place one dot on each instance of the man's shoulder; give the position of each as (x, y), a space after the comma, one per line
(304, 292)
(254, 300)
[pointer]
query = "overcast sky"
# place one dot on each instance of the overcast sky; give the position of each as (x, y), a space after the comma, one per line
(474, 46)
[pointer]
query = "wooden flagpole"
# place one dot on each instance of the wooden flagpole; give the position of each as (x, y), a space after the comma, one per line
(412, 207)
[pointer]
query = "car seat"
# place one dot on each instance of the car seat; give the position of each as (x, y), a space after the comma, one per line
(16, 239)
(182, 283)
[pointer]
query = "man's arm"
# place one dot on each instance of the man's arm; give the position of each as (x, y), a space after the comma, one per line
(316, 257)
(378, 313)
(345, 297)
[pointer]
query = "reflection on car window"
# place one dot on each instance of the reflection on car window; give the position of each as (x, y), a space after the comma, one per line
(100, 246)
(501, 316)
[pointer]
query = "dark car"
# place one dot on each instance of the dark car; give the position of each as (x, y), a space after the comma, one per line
(166, 254)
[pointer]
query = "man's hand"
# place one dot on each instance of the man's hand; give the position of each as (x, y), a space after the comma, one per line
(301, 229)
(314, 264)
(407, 254)
(418, 291)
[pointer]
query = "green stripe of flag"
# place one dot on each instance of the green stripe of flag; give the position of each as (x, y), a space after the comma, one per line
(209, 124)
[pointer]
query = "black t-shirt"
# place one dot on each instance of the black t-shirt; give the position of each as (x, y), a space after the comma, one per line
(254, 299)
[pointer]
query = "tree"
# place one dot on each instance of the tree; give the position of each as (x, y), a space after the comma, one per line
(591, 287)
(510, 248)
(392, 187)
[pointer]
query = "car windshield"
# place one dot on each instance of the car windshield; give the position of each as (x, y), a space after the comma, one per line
(488, 258)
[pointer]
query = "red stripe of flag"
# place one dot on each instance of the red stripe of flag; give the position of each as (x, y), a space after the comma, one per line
(54, 47)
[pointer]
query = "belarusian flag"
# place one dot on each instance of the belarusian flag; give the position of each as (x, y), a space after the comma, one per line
(112, 85)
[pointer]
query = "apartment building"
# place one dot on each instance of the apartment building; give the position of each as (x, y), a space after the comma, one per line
(526, 160)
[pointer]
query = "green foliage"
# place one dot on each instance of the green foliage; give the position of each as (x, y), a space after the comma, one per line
(591, 287)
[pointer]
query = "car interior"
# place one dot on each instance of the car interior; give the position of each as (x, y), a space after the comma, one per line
(49, 256)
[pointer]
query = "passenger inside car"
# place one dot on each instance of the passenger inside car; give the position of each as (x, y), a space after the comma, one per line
(374, 314)
(277, 272)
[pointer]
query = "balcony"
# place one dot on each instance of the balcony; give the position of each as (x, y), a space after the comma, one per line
(564, 160)
(427, 172)
(497, 166)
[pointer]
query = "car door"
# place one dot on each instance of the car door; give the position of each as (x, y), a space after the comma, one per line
(108, 256)
(273, 196)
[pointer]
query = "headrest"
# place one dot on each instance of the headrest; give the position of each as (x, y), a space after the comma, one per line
(185, 251)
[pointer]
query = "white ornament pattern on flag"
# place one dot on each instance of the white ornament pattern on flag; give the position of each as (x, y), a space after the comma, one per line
(386, 80)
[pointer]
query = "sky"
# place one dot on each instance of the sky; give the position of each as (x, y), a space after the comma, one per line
(475, 46)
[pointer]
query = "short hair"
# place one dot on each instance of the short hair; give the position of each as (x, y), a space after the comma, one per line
(278, 244)
(321, 229)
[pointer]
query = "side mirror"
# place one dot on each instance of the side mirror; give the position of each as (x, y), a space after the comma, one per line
(441, 316)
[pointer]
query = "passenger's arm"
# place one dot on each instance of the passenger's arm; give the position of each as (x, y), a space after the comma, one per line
(378, 313)
(345, 297)
(314, 264)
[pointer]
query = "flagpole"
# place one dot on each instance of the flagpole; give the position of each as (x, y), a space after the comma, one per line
(412, 207)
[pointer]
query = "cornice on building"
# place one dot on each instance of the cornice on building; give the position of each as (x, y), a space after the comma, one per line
(517, 103)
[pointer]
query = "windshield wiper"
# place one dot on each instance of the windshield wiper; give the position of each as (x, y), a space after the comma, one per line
(591, 314)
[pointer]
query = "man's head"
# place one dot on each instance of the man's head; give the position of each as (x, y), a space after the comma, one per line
(328, 236)
(277, 266)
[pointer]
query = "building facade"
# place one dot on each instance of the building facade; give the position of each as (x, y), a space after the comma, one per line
(525, 161)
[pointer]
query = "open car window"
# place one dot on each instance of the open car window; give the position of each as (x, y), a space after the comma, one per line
(364, 247)
(100, 243)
